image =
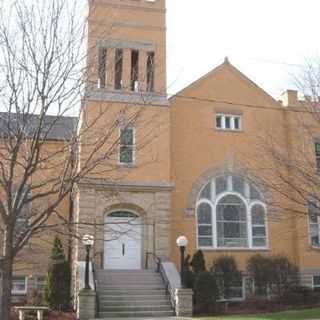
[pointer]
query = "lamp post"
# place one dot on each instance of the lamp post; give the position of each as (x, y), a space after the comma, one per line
(87, 240)
(182, 242)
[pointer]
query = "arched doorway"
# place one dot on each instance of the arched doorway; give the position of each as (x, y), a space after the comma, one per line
(122, 240)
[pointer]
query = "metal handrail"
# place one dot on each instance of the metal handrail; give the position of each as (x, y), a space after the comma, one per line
(156, 259)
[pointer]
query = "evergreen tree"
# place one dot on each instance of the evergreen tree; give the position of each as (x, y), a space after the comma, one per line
(198, 262)
(57, 290)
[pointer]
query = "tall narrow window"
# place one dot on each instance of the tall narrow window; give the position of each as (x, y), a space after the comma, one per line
(314, 225)
(22, 220)
(259, 234)
(102, 58)
(135, 70)
(150, 71)
(126, 155)
(204, 225)
(317, 153)
(118, 69)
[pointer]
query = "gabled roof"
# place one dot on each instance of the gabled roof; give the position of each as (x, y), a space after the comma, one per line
(58, 127)
(225, 68)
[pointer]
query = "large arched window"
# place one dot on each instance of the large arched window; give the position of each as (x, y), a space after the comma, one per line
(231, 213)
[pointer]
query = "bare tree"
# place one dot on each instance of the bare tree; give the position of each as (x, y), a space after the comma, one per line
(289, 157)
(43, 79)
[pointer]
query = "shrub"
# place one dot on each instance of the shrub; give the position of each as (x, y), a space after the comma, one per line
(57, 289)
(34, 298)
(198, 262)
(206, 292)
(284, 274)
(227, 274)
(260, 267)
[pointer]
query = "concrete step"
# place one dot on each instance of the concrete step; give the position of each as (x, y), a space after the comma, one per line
(130, 303)
(131, 287)
(127, 281)
(133, 299)
(137, 314)
(142, 307)
(125, 272)
(136, 292)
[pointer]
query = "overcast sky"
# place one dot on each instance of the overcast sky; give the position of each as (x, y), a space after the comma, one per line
(265, 39)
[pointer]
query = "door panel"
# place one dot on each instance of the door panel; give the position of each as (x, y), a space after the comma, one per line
(122, 246)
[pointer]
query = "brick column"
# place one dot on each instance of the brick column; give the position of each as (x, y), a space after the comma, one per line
(110, 68)
(142, 71)
(126, 69)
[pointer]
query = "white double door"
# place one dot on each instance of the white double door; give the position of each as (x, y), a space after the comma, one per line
(122, 243)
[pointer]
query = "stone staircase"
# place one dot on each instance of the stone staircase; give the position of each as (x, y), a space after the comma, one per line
(132, 293)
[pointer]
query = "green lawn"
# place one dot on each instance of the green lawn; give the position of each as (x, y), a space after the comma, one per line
(287, 315)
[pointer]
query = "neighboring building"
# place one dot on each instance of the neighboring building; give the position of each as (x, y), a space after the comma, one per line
(182, 166)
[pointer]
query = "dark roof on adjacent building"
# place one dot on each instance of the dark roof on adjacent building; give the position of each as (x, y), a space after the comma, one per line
(58, 127)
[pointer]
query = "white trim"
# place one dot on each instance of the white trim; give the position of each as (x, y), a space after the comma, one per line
(214, 201)
(255, 202)
(232, 117)
(20, 292)
(313, 286)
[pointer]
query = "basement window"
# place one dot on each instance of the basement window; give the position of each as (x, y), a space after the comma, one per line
(118, 82)
(19, 285)
(102, 58)
(150, 71)
(134, 70)
(228, 122)
(316, 283)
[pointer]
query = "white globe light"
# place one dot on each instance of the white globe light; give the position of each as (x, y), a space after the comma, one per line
(182, 241)
(87, 240)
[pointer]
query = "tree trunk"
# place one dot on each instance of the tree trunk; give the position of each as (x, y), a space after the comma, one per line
(7, 280)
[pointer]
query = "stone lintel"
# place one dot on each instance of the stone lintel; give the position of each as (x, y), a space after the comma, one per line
(140, 98)
(126, 185)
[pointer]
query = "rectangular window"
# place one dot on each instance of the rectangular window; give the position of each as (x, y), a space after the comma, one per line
(317, 154)
(135, 70)
(228, 122)
(314, 224)
(118, 82)
(236, 292)
(102, 59)
(127, 141)
(316, 283)
(150, 71)
(19, 285)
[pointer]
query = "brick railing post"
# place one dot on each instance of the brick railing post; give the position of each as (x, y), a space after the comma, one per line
(183, 302)
(87, 304)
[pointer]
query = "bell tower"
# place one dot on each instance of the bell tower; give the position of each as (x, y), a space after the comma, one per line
(126, 122)
(127, 50)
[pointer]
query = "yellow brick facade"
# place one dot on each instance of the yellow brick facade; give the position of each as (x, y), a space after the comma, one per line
(178, 147)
